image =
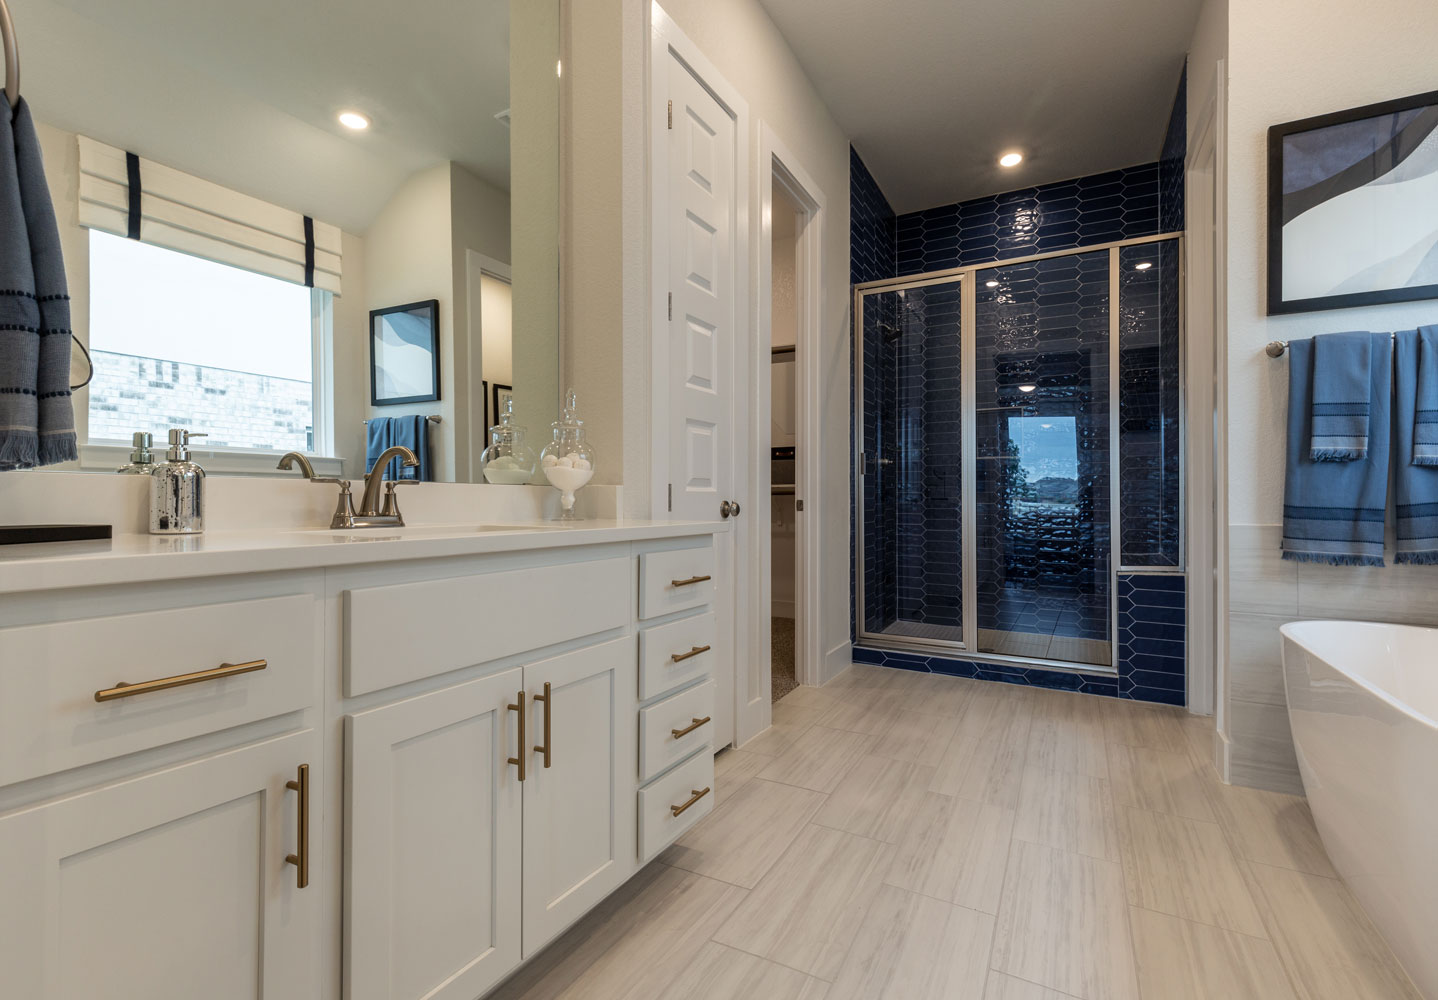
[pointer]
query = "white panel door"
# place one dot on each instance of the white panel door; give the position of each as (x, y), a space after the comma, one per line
(580, 839)
(704, 342)
(170, 886)
(432, 864)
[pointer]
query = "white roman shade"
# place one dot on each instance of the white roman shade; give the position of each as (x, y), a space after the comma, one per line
(185, 213)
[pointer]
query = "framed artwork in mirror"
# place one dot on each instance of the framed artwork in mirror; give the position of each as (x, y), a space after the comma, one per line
(404, 353)
(1353, 207)
(502, 395)
(484, 395)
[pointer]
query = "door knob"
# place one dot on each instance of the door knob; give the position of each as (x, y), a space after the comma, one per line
(729, 508)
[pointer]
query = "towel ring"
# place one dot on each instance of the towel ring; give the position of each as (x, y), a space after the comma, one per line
(12, 57)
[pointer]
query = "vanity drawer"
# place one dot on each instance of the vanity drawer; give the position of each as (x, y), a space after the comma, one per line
(690, 714)
(688, 788)
(659, 671)
(675, 580)
(51, 721)
(407, 631)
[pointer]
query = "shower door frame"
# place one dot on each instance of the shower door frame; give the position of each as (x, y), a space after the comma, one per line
(967, 277)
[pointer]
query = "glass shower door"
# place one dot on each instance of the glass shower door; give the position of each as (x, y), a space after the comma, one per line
(912, 476)
(1043, 477)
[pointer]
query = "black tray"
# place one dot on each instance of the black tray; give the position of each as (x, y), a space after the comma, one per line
(21, 534)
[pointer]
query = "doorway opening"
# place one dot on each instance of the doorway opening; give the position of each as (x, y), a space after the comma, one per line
(787, 220)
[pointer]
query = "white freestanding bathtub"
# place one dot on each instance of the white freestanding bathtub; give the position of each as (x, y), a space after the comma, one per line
(1363, 700)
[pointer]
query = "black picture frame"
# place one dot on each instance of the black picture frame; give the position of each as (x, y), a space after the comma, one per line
(484, 395)
(421, 331)
(1420, 113)
(500, 391)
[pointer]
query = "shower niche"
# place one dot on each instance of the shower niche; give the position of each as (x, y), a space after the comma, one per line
(1019, 435)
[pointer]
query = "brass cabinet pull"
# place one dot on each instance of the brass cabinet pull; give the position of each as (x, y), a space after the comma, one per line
(689, 582)
(519, 744)
(126, 690)
(548, 739)
(681, 733)
(301, 858)
(681, 657)
(696, 795)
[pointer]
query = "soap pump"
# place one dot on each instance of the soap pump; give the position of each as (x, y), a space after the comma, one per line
(177, 499)
(142, 460)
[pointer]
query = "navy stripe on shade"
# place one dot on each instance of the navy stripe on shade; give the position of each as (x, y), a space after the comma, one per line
(132, 174)
(309, 252)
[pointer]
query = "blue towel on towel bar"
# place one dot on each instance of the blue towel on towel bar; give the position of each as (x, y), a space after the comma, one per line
(410, 431)
(1425, 418)
(1333, 511)
(1341, 402)
(1416, 484)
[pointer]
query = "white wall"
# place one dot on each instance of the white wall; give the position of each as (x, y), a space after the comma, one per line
(606, 331)
(1291, 59)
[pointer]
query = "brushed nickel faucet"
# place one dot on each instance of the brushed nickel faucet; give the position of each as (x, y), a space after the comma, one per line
(372, 512)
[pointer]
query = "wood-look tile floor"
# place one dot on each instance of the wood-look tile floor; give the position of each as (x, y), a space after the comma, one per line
(913, 837)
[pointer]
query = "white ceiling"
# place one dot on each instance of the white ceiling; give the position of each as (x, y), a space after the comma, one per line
(930, 92)
(245, 92)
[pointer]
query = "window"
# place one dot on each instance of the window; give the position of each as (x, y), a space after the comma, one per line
(180, 341)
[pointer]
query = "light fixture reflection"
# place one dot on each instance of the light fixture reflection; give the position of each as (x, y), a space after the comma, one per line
(354, 120)
(1027, 387)
(1144, 266)
(991, 284)
(1011, 159)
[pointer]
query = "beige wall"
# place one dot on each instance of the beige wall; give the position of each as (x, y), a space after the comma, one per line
(1291, 59)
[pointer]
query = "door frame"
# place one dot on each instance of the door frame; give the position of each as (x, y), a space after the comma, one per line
(476, 265)
(777, 165)
(668, 41)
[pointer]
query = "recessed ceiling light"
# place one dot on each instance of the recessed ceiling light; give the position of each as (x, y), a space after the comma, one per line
(354, 120)
(991, 284)
(1011, 159)
(1144, 266)
(1027, 387)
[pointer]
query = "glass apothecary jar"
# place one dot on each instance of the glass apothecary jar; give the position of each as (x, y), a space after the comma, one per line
(508, 461)
(568, 459)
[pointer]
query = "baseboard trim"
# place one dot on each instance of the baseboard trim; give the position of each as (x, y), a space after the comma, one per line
(836, 661)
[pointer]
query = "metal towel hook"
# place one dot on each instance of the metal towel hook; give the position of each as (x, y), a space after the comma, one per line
(12, 57)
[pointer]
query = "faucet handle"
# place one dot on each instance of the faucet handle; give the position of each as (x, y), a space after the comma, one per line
(344, 516)
(391, 502)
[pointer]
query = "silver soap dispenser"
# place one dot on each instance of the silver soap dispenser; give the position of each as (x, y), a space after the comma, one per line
(177, 496)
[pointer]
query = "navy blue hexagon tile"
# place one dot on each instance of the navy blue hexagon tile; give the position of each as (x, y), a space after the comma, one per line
(1152, 637)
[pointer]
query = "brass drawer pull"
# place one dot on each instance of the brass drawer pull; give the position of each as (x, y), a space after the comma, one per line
(689, 582)
(698, 793)
(681, 733)
(126, 690)
(519, 744)
(548, 739)
(681, 657)
(301, 858)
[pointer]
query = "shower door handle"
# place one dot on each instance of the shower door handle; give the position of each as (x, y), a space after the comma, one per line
(729, 508)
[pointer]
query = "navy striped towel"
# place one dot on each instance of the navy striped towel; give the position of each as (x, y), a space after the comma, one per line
(1425, 419)
(1333, 511)
(1416, 483)
(1340, 397)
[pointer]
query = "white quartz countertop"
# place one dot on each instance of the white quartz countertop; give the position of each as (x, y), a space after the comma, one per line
(130, 558)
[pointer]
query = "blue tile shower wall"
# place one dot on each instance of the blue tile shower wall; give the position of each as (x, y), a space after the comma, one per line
(1103, 208)
(1151, 645)
(872, 258)
(1171, 159)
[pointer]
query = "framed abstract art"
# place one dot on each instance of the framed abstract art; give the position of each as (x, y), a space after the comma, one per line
(404, 353)
(1353, 207)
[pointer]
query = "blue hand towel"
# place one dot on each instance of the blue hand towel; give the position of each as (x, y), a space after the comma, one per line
(1341, 400)
(1425, 417)
(1416, 484)
(1333, 511)
(411, 432)
(37, 424)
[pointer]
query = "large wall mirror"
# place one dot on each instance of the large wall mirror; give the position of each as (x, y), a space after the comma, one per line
(285, 223)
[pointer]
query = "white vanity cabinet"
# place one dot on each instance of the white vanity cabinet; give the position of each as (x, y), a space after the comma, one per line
(176, 884)
(390, 779)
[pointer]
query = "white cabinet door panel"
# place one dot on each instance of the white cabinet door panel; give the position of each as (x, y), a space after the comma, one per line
(433, 832)
(579, 816)
(169, 886)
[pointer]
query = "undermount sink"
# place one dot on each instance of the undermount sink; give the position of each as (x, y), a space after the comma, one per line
(426, 531)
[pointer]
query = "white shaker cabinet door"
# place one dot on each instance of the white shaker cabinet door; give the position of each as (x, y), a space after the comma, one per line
(169, 886)
(433, 843)
(579, 812)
